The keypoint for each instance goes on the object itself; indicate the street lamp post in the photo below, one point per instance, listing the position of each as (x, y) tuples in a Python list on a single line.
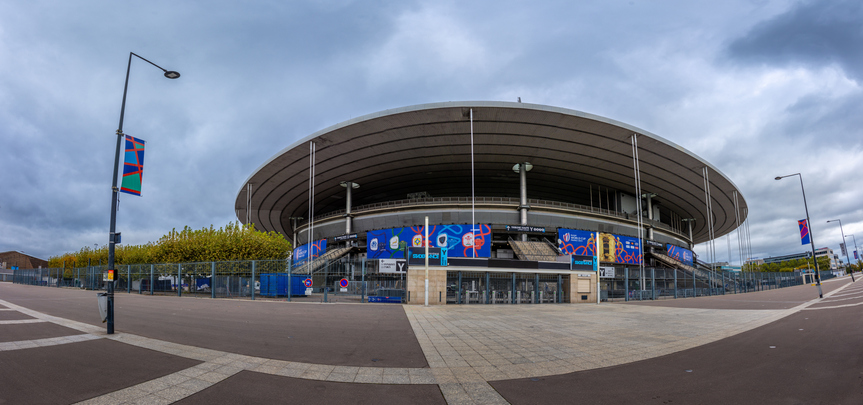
[(845, 244), (112, 233), (811, 235)]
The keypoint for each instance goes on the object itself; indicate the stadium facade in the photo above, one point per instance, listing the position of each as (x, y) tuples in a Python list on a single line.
[(516, 195)]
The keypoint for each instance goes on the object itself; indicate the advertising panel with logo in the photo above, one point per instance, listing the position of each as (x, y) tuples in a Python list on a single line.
[(301, 253), (417, 256), (680, 254), (619, 249), (457, 239), (575, 242), (581, 262)]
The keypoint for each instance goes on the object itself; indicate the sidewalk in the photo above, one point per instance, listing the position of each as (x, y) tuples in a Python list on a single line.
[(221, 351)]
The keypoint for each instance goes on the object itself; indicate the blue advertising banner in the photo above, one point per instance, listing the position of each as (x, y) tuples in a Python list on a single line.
[(804, 231), (457, 239), (301, 253), (680, 254), (575, 242), (628, 250)]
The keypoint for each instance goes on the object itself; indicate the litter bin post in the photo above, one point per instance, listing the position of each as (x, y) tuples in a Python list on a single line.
[(102, 300)]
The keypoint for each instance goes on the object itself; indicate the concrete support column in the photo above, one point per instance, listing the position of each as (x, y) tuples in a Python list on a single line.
[(348, 185), (294, 240), (689, 224), (522, 170), (649, 197)]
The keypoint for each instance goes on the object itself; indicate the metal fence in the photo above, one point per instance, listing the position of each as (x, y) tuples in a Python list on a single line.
[(233, 279), (659, 283), (355, 279)]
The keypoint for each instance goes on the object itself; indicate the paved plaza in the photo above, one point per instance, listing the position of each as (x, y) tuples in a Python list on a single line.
[(785, 346)]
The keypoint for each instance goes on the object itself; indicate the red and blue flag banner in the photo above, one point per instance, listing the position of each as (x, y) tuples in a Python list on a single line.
[(804, 231), (133, 166)]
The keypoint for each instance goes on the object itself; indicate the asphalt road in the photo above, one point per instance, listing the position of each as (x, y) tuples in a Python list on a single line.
[(370, 335), (812, 356)]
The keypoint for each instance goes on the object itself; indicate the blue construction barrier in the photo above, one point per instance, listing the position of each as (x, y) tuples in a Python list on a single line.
[(393, 300), (276, 284)]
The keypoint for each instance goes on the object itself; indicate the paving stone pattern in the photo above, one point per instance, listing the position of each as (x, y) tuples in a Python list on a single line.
[(465, 346)]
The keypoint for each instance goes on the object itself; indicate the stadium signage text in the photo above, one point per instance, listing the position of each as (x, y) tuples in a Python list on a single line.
[(524, 228)]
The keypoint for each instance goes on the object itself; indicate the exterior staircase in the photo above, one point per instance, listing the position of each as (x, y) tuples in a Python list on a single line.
[(321, 261), (534, 251), (698, 272)]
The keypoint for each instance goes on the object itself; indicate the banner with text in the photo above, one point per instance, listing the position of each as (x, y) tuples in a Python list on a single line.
[(575, 242), (301, 253), (457, 239), (680, 254)]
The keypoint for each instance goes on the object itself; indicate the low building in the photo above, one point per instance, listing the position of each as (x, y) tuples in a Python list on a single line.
[(819, 253), (21, 260)]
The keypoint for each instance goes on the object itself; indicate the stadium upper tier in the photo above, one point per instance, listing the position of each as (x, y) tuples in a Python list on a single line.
[(421, 155)]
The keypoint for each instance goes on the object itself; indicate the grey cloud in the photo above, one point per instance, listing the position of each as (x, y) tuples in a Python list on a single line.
[(258, 76), (810, 34)]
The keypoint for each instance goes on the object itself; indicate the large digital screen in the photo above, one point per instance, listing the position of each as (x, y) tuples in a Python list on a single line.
[(458, 239), (619, 249), (301, 253), (680, 254), (575, 242)]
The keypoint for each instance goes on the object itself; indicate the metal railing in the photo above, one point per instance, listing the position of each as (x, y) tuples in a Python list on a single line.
[(660, 283), (504, 201)]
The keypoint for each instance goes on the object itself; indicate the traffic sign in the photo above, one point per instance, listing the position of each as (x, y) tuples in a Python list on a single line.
[(307, 282), (343, 283)]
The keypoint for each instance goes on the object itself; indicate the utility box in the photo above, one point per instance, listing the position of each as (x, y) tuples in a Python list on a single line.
[(276, 284)]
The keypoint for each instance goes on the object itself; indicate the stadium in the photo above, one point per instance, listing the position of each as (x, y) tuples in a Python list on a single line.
[(525, 203)]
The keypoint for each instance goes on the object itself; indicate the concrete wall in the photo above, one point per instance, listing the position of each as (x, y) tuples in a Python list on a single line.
[(584, 295), (416, 285)]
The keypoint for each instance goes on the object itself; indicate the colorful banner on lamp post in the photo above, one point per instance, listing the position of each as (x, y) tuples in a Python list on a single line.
[(804, 231), (133, 166)]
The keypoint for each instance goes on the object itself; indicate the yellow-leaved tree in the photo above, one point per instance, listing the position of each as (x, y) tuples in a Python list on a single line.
[(232, 242)]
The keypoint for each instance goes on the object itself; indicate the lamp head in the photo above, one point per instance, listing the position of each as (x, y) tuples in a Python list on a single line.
[(172, 74), (778, 178)]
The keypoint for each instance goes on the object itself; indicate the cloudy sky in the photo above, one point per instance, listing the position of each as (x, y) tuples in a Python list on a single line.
[(759, 88)]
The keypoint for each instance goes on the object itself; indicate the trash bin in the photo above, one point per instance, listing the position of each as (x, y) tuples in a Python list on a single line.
[(103, 306)]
